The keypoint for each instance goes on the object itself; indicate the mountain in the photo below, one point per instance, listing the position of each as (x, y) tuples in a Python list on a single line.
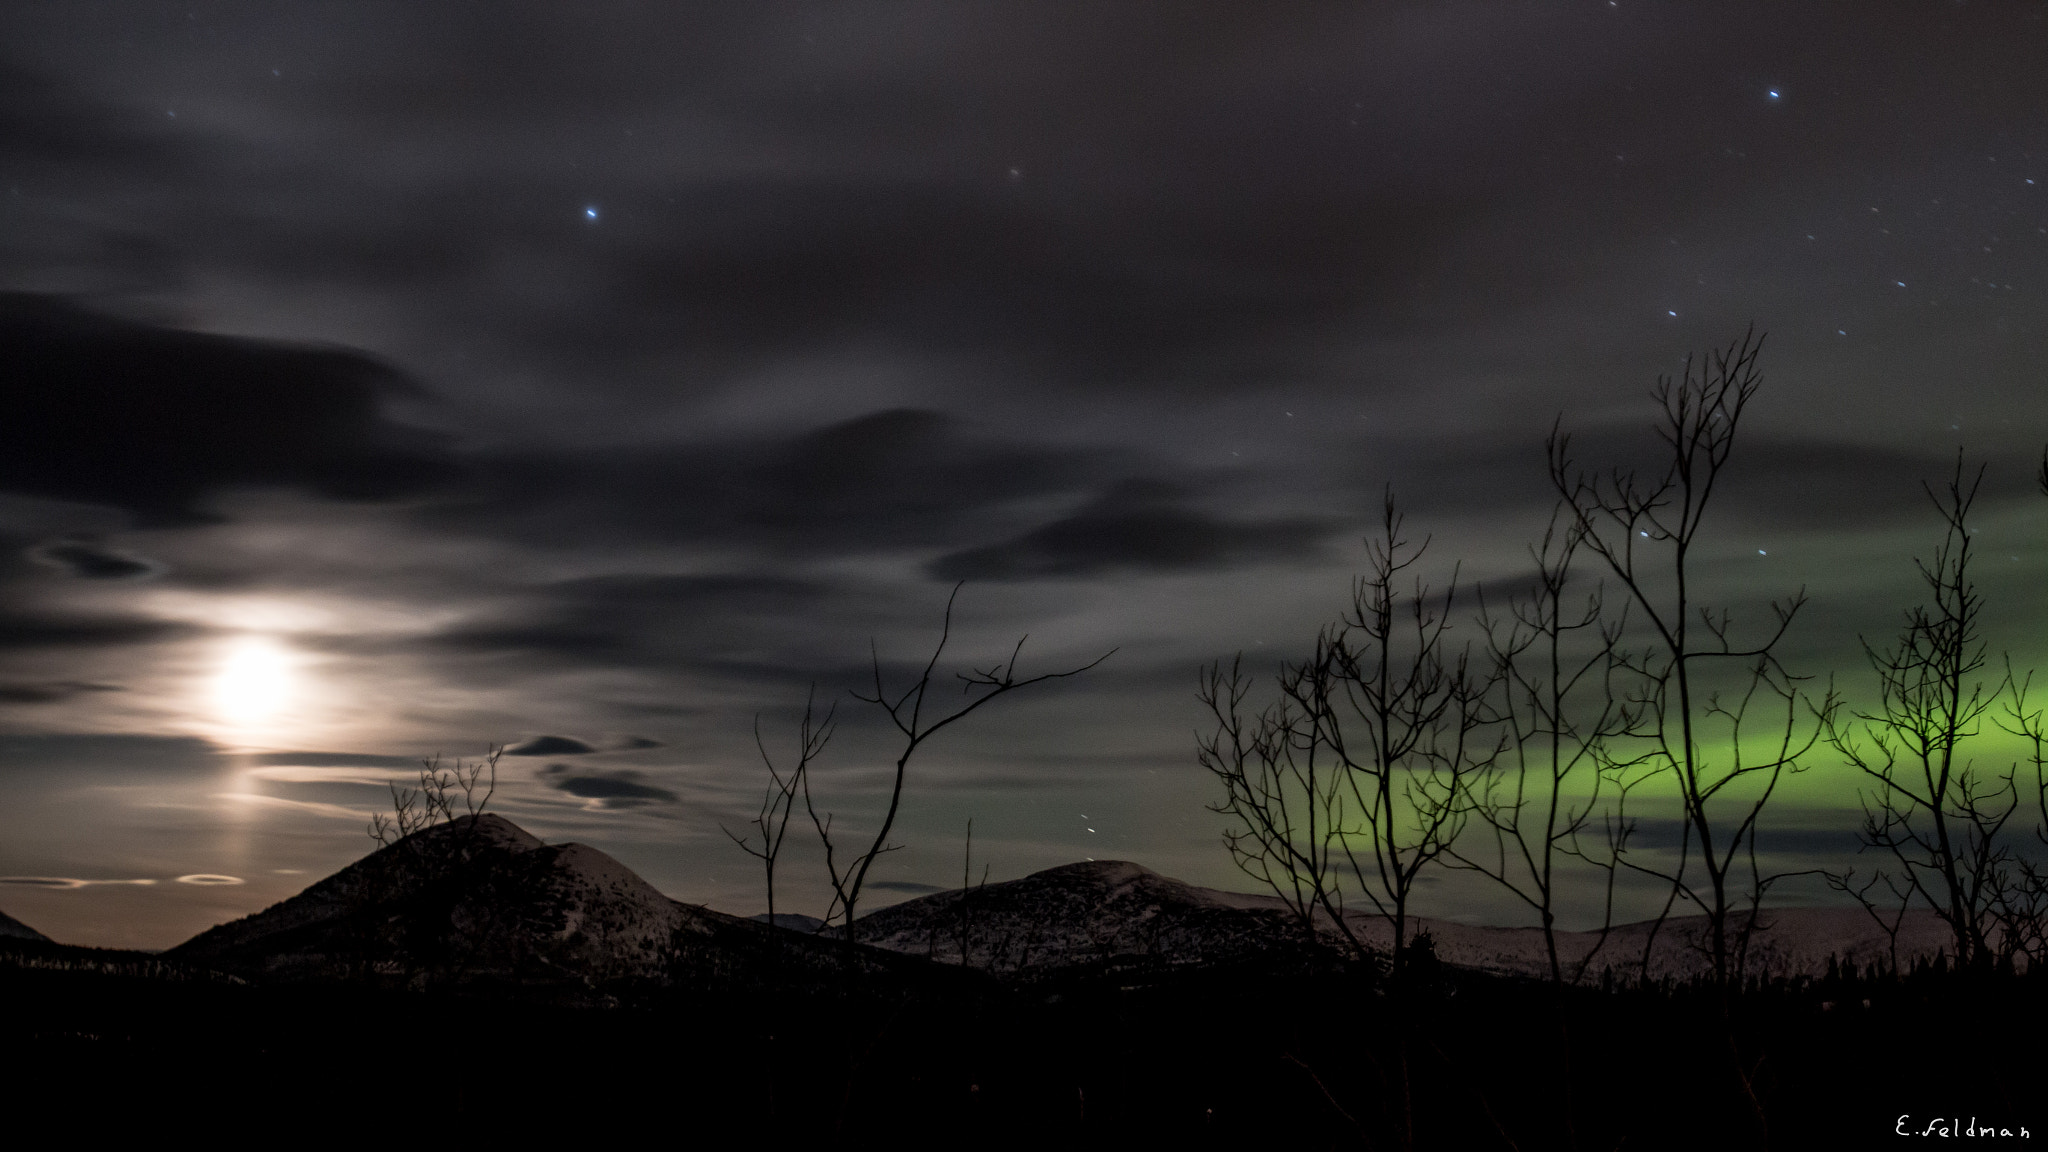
[(794, 921), (1081, 914), (479, 902), (13, 929)]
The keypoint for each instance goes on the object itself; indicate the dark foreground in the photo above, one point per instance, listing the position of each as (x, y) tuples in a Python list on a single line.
[(1272, 1056)]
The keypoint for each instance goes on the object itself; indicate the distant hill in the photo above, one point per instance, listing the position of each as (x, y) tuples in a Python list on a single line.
[(794, 921), (13, 929), (1080, 914), (479, 902)]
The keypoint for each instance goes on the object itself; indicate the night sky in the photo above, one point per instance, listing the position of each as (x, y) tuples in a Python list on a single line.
[(391, 379)]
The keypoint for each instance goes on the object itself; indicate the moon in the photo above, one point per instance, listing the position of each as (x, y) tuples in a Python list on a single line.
[(254, 682)]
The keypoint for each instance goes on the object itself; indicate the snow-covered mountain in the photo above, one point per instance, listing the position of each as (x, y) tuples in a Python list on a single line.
[(1079, 914), (479, 901)]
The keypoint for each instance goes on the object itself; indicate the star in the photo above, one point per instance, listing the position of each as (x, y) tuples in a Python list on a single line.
[(590, 212)]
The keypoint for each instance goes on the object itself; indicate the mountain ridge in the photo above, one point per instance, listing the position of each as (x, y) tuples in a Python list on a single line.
[(480, 901), (1083, 913), (13, 929)]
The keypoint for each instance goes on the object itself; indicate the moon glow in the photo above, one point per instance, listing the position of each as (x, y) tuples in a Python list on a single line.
[(254, 682)]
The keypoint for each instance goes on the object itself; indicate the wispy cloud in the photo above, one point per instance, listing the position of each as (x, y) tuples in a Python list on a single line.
[(315, 807), (61, 883)]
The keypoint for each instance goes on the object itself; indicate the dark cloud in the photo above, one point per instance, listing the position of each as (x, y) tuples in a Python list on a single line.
[(48, 630), (1136, 526), (50, 692), (654, 622), (1811, 484), (90, 561), (1772, 479), (888, 479), (549, 746), (1070, 288), (620, 788), (68, 751), (46, 122), (156, 420), (331, 760)]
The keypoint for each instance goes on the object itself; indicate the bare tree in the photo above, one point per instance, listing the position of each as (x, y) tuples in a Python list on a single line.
[(969, 889), (907, 713), (433, 801), (1929, 807), (1556, 662), (1724, 720), (2021, 914), (2022, 911), (778, 802), (1724, 716), (442, 794), (1351, 781)]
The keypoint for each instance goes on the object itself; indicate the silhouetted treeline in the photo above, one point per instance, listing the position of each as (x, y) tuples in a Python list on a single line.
[(1133, 1054)]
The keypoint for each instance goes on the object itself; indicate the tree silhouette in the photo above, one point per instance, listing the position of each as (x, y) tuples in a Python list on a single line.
[(1352, 780), (1724, 716), (1562, 713), (433, 800), (1929, 807), (778, 801), (909, 716)]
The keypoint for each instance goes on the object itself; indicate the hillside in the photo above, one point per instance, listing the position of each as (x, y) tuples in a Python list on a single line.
[(13, 929), (1078, 914), (479, 902)]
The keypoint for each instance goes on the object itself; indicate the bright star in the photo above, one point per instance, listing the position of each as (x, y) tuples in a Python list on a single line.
[(590, 212), (1774, 93)]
